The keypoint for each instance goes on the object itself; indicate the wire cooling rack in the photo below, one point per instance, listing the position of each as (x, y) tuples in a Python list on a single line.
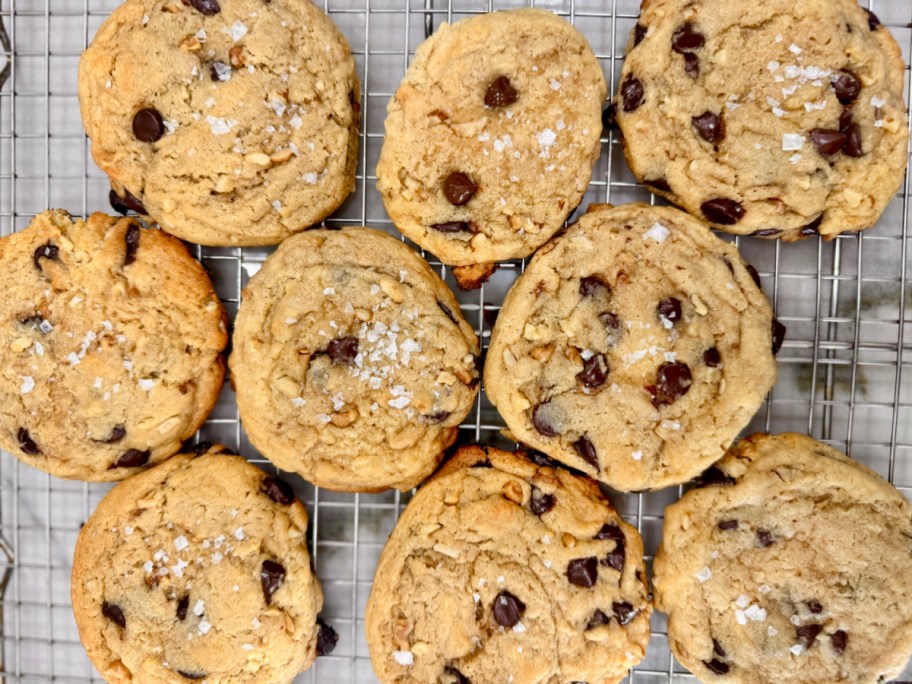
[(845, 373)]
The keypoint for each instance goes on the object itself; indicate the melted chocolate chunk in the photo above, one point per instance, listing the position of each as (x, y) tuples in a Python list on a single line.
[(639, 32), (847, 87), (609, 116), (182, 607), (47, 251), (722, 211), (593, 284), (26, 443), (873, 22), (812, 228), (728, 525), (673, 381), (436, 418), (131, 201), (114, 614), (343, 350), (186, 674), (538, 458), (611, 531), (197, 449), (459, 188), (451, 227), (712, 358), (541, 423), (617, 556), (853, 146), (458, 677), (117, 204), (118, 432), (714, 476), (277, 490), (446, 311), (670, 309), (131, 239), (766, 232), (815, 606), (828, 141), (583, 572), (623, 611), (686, 39), (764, 538), (658, 184), (327, 638), (632, 93), (148, 125), (718, 650), (595, 371), (507, 609), (207, 7), (710, 127), (691, 65), (134, 458), (598, 618), (500, 93), (272, 574), (541, 503), (845, 118), (807, 634), (586, 451), (716, 666), (754, 275), (610, 320), (838, 640), (778, 336)]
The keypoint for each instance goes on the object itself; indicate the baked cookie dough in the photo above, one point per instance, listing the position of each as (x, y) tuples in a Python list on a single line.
[(634, 347), (110, 346), (492, 136), (792, 564), (198, 570), (228, 122), (352, 363), (775, 118), (502, 570)]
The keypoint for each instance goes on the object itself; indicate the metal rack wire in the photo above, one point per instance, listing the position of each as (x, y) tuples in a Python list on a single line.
[(844, 369)]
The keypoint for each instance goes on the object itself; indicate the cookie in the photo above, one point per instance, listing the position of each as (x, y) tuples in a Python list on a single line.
[(778, 119), (198, 569), (228, 122), (492, 136), (634, 347), (503, 570), (110, 346), (792, 564), (352, 363)]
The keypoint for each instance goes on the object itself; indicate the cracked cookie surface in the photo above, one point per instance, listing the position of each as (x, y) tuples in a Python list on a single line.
[(634, 347), (228, 123), (775, 119), (793, 563), (352, 363), (504, 570), (492, 136), (110, 346), (198, 569)]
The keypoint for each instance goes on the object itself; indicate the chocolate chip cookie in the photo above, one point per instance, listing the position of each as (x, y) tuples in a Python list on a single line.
[(110, 346), (775, 119), (634, 347), (198, 570), (492, 135), (228, 122), (504, 570), (793, 563), (352, 363)]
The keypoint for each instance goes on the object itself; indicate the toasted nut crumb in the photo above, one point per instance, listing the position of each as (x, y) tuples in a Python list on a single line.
[(345, 418), (532, 332), (513, 492), (287, 386), (446, 378), (236, 57), (542, 354), (173, 7), (258, 158), (464, 376), (392, 288), (699, 305), (281, 156), (169, 425), (568, 540), (21, 344), (520, 403), (451, 498), (448, 551), (509, 357), (224, 184), (191, 44)]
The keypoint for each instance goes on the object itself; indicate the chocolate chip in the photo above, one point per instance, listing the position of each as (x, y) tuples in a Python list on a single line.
[(197, 449), (343, 350), (718, 650), (133, 203), (132, 244), (26, 443), (691, 65), (500, 93), (593, 284), (134, 458), (815, 606), (853, 146), (113, 613), (451, 227), (541, 422), (586, 451), (610, 531), (670, 309), (639, 32), (714, 476), (277, 490), (764, 538), (436, 418), (847, 87), (610, 320), (598, 618), (827, 140), (583, 572), (458, 677), (609, 120), (459, 188), (632, 93), (507, 609), (538, 458), (47, 251), (595, 371), (673, 381), (778, 336), (658, 184), (207, 7), (327, 638), (685, 39), (728, 525), (838, 640), (753, 274), (712, 358), (716, 666), (873, 21), (618, 555), (722, 211), (148, 125), (446, 311), (812, 228), (710, 127), (272, 575), (182, 607), (845, 118), (541, 503), (623, 611), (117, 204), (186, 674), (118, 432), (766, 232), (808, 634)]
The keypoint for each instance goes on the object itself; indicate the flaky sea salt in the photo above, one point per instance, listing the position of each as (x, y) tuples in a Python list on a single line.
[(28, 384), (657, 232), (792, 142), (237, 30), (405, 658), (181, 543), (704, 575)]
